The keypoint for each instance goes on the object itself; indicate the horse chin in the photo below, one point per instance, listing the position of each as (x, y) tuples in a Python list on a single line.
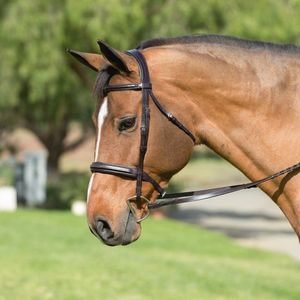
[(127, 241), (132, 230)]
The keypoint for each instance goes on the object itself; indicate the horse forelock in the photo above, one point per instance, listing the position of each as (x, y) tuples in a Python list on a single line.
[(102, 80)]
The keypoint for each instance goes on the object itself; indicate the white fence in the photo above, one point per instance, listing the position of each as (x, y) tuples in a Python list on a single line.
[(8, 198)]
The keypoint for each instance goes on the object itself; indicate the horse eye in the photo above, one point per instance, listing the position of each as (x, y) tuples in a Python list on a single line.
[(126, 123)]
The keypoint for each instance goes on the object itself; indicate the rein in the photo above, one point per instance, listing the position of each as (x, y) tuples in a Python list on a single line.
[(138, 201)]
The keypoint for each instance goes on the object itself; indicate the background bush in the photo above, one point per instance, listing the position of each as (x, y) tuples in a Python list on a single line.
[(71, 187)]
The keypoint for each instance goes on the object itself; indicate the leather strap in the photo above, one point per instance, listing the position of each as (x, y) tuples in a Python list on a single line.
[(177, 198), (125, 87), (123, 171), (171, 117), (145, 119)]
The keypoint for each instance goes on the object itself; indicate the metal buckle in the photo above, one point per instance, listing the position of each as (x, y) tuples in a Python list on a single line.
[(135, 205)]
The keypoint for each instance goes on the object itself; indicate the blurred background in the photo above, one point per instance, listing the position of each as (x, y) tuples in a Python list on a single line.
[(46, 147)]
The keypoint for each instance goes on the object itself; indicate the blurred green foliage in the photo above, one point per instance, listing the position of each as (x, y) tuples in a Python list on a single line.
[(45, 90), (39, 78), (62, 193), (6, 173)]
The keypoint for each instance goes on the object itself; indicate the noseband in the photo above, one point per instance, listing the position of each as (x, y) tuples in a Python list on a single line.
[(136, 202)]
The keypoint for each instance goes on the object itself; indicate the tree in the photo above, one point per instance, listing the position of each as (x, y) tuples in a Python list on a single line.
[(39, 82), (42, 88), (45, 90)]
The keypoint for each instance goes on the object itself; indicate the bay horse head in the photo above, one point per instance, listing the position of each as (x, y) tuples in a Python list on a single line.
[(134, 157)]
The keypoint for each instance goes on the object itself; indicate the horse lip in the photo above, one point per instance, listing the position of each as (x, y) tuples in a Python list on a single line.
[(130, 229), (124, 240), (112, 242), (127, 237)]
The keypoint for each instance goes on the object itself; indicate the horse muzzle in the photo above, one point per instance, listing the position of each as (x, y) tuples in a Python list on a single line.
[(126, 232)]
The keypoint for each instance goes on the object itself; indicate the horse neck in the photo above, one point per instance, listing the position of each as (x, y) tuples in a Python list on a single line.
[(240, 103)]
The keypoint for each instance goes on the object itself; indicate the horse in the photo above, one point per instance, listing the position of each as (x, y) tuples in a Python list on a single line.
[(240, 98)]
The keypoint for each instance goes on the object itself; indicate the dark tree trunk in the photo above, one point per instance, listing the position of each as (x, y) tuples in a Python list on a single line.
[(52, 132), (54, 154), (55, 142), (53, 139)]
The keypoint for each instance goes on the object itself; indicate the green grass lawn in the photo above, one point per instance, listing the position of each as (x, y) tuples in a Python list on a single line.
[(52, 255)]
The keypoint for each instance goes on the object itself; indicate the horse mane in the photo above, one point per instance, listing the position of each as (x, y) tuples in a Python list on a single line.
[(220, 40), (108, 71)]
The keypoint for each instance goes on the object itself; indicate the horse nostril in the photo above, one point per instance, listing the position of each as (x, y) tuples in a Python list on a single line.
[(103, 229)]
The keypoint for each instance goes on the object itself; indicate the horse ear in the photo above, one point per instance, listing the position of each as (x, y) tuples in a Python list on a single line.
[(92, 60), (118, 59)]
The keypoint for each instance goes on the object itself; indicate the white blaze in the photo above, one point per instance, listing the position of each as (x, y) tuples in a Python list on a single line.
[(100, 120), (90, 187), (101, 117)]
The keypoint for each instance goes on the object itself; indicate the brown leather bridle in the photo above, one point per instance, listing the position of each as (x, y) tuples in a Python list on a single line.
[(138, 200)]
